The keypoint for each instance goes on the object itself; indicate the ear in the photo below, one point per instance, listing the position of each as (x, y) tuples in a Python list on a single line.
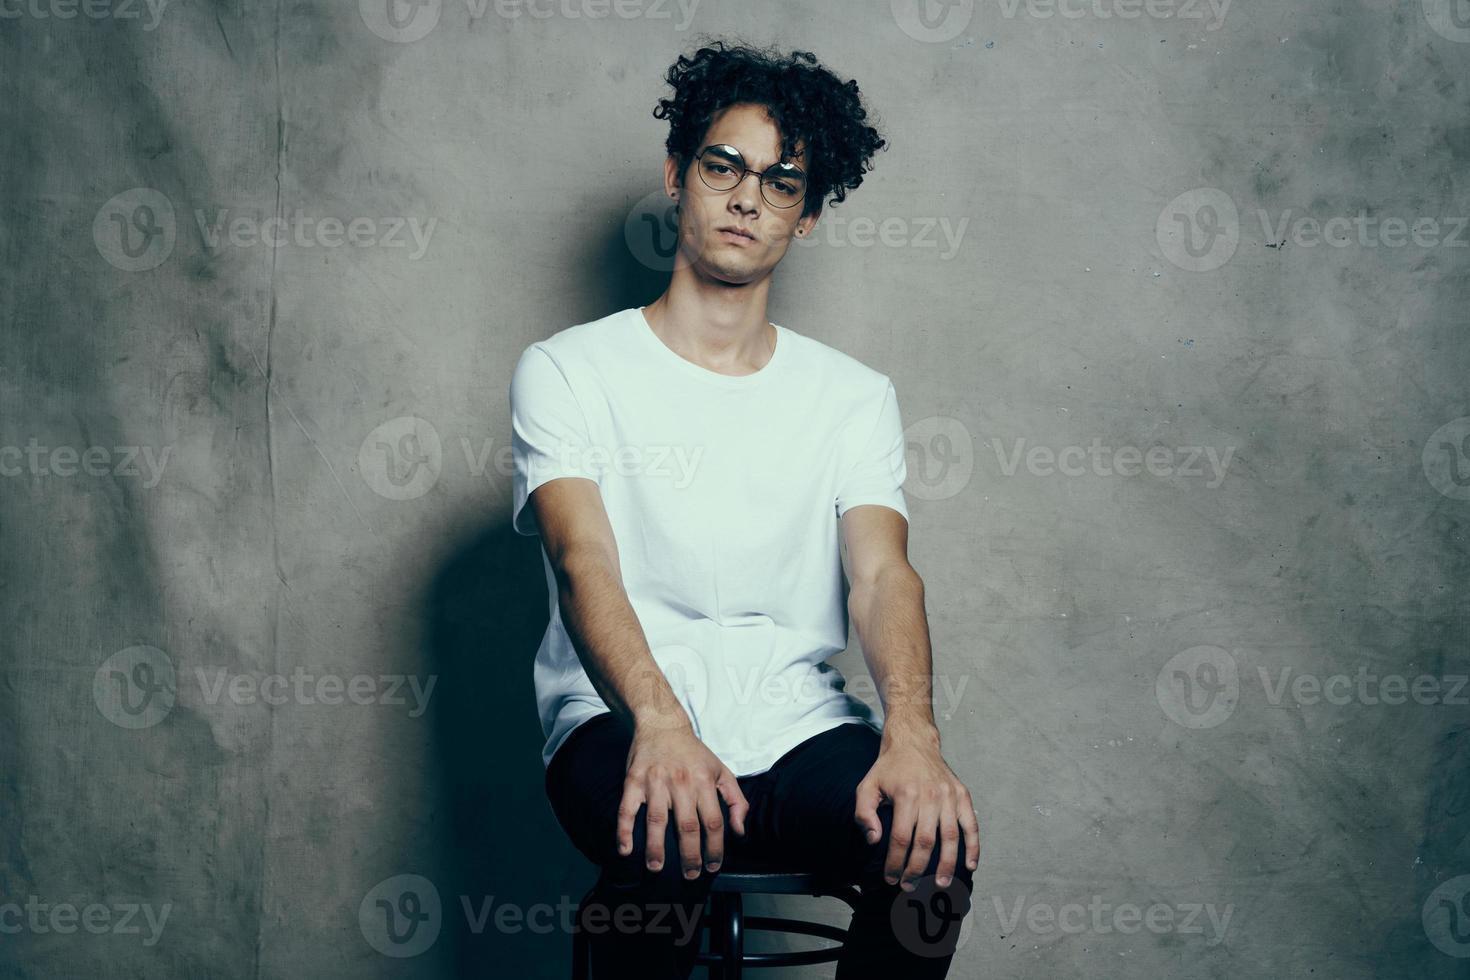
[(806, 223), (673, 180)]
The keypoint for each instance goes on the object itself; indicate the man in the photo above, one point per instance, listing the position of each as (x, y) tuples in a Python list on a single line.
[(686, 465)]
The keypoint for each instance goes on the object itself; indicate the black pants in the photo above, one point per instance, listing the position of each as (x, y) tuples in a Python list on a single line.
[(647, 923)]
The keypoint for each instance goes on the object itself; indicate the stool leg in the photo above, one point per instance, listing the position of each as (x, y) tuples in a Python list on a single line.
[(714, 924), (734, 943)]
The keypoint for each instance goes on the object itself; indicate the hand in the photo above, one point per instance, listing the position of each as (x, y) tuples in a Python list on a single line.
[(672, 766), (926, 795)]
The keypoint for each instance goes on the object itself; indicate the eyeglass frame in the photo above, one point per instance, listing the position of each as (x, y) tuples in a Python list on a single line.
[(760, 175)]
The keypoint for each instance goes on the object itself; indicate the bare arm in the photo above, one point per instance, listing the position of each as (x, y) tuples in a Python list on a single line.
[(668, 766), (886, 604)]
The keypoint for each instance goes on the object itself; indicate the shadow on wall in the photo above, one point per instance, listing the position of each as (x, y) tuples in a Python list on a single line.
[(487, 608)]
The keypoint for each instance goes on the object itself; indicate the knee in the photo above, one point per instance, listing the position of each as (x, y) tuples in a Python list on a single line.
[(877, 858), (631, 870)]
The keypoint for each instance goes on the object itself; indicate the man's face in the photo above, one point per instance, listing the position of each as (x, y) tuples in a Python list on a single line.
[(704, 212)]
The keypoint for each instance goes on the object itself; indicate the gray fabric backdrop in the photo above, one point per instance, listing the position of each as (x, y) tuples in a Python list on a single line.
[(1173, 295)]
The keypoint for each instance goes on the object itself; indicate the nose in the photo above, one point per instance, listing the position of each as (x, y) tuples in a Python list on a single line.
[(747, 195)]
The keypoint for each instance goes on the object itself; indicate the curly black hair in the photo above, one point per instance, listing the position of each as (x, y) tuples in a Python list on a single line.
[(809, 105)]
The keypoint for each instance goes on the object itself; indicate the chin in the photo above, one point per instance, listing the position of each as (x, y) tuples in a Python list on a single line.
[(735, 275)]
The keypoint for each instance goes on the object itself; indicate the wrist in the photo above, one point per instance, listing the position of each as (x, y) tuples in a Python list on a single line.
[(652, 720), (910, 730)]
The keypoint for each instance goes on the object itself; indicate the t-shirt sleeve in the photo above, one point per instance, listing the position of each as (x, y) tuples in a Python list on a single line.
[(876, 476), (549, 433)]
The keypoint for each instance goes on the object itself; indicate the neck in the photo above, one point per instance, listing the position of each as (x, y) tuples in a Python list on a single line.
[(716, 325)]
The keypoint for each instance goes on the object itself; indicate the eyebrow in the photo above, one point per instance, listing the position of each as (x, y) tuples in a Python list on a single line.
[(715, 149)]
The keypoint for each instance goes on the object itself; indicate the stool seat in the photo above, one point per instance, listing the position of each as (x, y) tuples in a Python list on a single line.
[(754, 876), (727, 924)]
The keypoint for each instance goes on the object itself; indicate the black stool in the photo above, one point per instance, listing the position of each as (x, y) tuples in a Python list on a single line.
[(726, 921)]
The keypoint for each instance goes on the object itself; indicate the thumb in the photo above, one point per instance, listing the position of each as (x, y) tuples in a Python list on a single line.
[(729, 788), (866, 812)]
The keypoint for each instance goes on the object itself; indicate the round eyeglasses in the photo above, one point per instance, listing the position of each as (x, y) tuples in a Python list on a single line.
[(722, 168)]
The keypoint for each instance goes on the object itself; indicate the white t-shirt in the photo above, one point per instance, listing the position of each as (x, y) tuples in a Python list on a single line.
[(723, 493)]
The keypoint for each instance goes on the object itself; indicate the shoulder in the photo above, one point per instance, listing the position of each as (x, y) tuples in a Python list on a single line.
[(839, 368), (581, 342)]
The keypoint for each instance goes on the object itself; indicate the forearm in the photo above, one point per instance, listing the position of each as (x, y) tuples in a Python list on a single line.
[(610, 643), (888, 613)]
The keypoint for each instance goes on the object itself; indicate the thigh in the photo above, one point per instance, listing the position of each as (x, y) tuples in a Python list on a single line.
[(584, 784), (814, 805), (813, 796)]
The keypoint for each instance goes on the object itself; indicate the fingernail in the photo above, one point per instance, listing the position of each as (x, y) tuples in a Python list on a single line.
[(908, 886), (942, 881), (872, 836), (692, 873), (891, 879), (712, 866), (655, 865)]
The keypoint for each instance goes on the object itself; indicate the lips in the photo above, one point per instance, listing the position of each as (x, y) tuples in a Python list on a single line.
[(738, 231)]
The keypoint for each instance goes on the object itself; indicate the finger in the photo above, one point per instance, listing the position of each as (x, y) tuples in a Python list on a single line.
[(714, 826), (627, 813), (866, 811), (949, 844), (970, 821), (926, 835), (656, 821), (687, 825), (729, 788), (905, 810)]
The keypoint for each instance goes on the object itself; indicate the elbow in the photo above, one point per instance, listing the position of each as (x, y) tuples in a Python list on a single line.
[(891, 578), (580, 561)]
